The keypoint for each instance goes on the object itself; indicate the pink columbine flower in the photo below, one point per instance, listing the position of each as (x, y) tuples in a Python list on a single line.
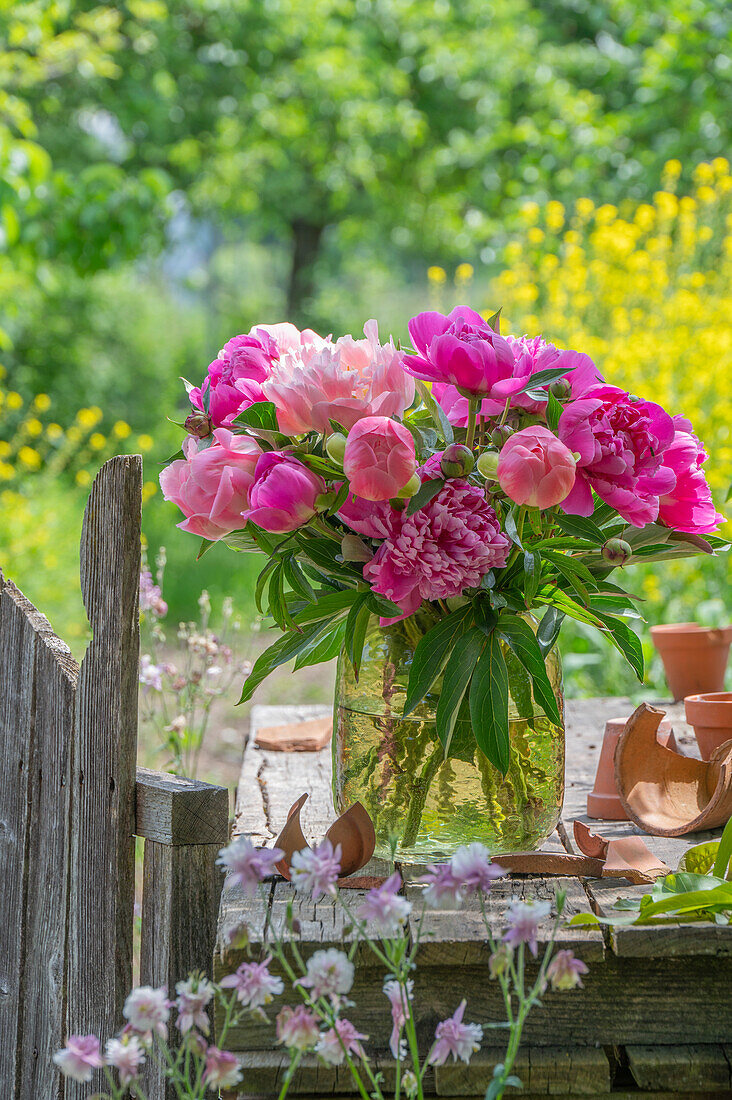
[(148, 1009), (315, 870), (380, 458), (222, 1069), (471, 865), (441, 550), (454, 1037), (284, 493), (248, 866), (384, 908), (151, 597), (211, 486), (126, 1055), (688, 506), (499, 961), (150, 674), (342, 1039), (444, 890), (80, 1057), (564, 971), (400, 997), (524, 919), (254, 984), (234, 379), (461, 350), (194, 995), (535, 468), (621, 444), (329, 973), (297, 1028), (317, 381)]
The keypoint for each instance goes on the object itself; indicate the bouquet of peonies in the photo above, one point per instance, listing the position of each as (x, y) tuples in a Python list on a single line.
[(476, 477)]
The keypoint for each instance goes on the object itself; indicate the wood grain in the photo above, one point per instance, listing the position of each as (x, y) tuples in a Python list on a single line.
[(680, 1067), (171, 809)]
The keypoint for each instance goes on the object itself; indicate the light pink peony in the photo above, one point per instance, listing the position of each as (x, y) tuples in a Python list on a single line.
[(284, 493), (211, 486), (688, 506), (534, 468), (344, 381), (441, 550), (79, 1058), (289, 338), (380, 458), (234, 378), (462, 350), (621, 445)]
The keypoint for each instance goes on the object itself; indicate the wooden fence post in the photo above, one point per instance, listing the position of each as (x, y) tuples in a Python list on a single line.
[(184, 823)]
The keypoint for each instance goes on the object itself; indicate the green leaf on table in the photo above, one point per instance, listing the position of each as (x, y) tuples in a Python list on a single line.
[(427, 491), (521, 639), (436, 412), (463, 659), (489, 705), (431, 654)]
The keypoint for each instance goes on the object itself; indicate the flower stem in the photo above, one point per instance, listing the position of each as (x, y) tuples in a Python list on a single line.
[(420, 791), (473, 403), (294, 1062)]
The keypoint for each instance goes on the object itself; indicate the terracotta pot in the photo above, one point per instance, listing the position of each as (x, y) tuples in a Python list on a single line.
[(694, 657), (603, 801), (711, 717)]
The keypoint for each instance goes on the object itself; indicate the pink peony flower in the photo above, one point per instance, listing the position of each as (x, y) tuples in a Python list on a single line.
[(454, 1037), (222, 1069), (147, 1010), (340, 1040), (329, 973), (688, 506), (315, 870), (284, 493), (194, 995), (524, 919), (385, 909), (234, 378), (211, 486), (564, 971), (380, 458), (461, 350), (444, 890), (248, 866), (621, 445), (344, 381), (79, 1058), (400, 997), (471, 865), (126, 1055), (297, 1028), (441, 550), (254, 984), (374, 518), (289, 338), (534, 468)]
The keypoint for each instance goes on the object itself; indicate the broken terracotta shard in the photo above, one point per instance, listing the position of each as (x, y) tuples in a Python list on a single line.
[(353, 830), (663, 792)]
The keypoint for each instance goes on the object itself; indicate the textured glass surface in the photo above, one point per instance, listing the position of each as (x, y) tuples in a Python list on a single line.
[(420, 803)]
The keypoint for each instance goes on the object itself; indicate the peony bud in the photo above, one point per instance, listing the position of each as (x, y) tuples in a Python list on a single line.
[(198, 424), (617, 552), (488, 464), (457, 460), (335, 447), (500, 435), (560, 389), (410, 488)]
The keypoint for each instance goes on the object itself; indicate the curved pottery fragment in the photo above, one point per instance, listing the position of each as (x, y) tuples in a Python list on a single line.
[(353, 830), (663, 792), (624, 857)]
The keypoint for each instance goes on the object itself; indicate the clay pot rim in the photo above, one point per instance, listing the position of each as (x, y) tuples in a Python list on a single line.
[(711, 708), (670, 633)]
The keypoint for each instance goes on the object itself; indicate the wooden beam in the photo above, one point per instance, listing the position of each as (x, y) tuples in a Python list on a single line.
[(170, 809)]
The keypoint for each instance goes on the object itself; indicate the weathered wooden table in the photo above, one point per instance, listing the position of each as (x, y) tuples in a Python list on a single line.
[(654, 1017)]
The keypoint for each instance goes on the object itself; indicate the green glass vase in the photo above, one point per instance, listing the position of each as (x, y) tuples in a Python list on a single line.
[(423, 806)]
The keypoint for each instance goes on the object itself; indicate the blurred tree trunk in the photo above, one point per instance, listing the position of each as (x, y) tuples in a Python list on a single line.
[(306, 242)]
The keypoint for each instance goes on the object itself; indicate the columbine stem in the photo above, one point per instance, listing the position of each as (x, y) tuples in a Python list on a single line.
[(473, 403)]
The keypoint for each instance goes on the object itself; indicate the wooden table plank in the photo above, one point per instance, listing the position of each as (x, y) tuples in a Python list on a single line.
[(579, 1071), (680, 1068)]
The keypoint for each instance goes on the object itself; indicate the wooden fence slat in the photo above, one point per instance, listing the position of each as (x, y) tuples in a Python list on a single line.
[(101, 886)]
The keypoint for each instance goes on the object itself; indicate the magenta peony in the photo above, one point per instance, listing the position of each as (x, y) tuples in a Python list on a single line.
[(284, 493), (380, 458), (345, 381), (441, 550), (534, 468), (462, 350), (234, 378), (374, 518), (211, 486), (688, 506), (621, 443)]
